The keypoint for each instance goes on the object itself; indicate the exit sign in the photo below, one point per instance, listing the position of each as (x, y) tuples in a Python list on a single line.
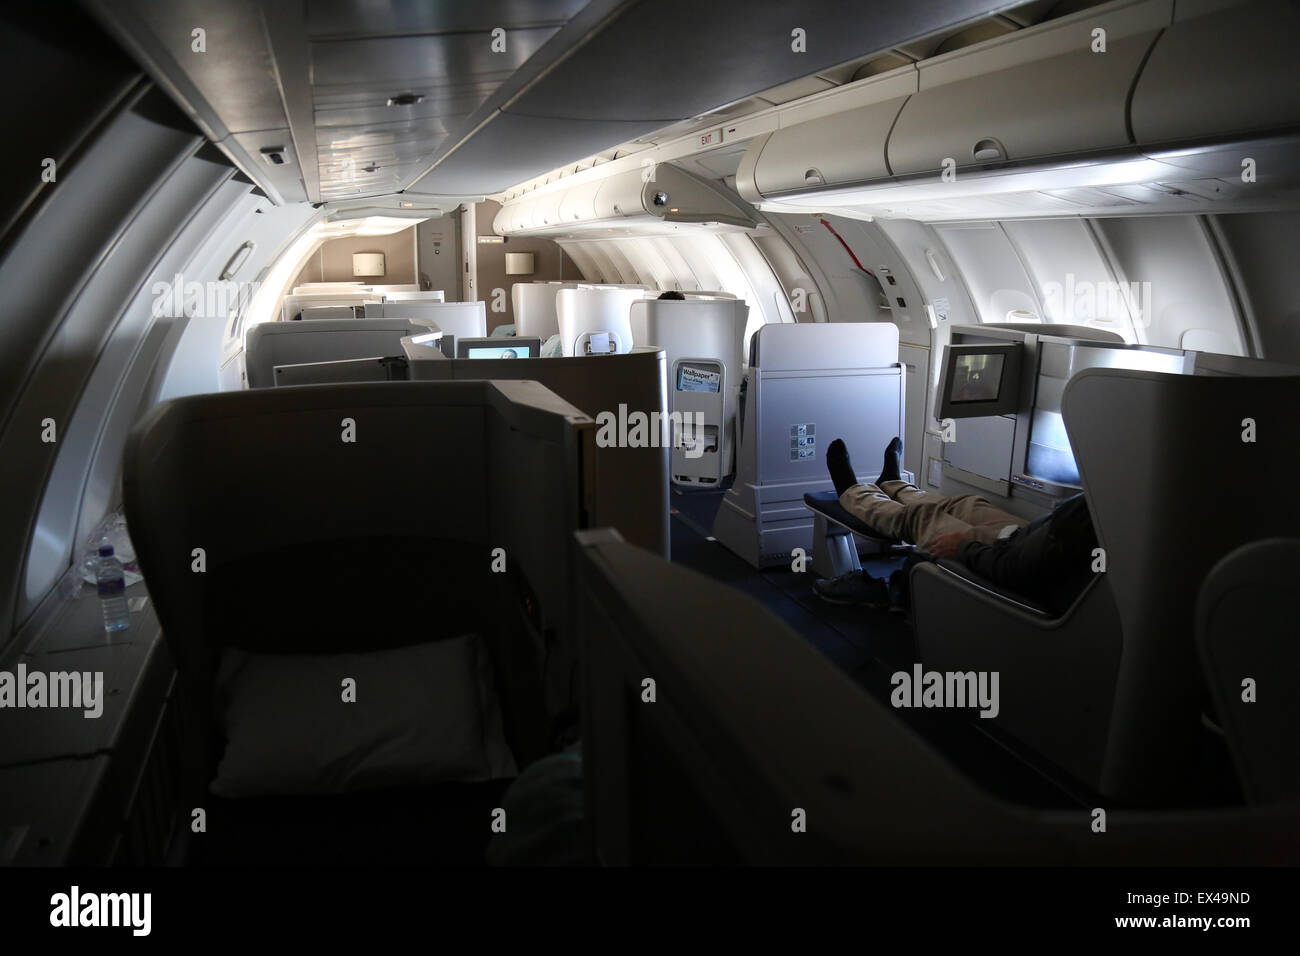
[(712, 138)]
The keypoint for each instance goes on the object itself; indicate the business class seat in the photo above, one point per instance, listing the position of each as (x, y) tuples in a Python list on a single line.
[(1057, 672), (1178, 471), (808, 383), (702, 341), (1246, 636), (596, 320), (312, 546), (321, 340), (534, 307), (629, 487), (753, 722), (461, 319)]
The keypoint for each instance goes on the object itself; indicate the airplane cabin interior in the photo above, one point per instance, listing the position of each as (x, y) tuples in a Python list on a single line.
[(622, 433)]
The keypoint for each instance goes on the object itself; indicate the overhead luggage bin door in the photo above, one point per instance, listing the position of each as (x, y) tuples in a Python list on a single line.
[(1028, 96), (1227, 72), (579, 203), (832, 150)]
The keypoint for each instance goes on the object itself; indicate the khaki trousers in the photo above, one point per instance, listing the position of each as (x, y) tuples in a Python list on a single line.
[(898, 509)]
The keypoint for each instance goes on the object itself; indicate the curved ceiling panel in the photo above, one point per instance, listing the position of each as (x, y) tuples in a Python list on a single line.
[(334, 99)]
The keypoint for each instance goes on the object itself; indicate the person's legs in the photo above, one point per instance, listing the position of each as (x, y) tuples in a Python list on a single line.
[(920, 519), (984, 519), (980, 511)]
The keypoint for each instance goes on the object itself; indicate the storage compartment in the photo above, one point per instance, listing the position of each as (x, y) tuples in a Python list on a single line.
[(579, 203), (620, 196), (1028, 96), (837, 149), (546, 209), (666, 194), (1230, 71)]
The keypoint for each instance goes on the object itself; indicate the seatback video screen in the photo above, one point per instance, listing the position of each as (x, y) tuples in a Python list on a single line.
[(494, 347), (504, 352), (977, 378)]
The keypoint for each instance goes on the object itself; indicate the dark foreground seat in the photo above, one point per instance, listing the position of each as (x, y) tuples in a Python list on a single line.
[(444, 825), (293, 525), (1246, 633), (758, 748)]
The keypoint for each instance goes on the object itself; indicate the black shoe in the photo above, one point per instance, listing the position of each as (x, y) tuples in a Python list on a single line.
[(857, 588)]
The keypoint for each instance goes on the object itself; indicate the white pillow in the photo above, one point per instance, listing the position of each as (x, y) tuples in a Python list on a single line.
[(422, 714)]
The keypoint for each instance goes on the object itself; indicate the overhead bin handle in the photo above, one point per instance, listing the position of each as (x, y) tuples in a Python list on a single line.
[(237, 260), (813, 177), (988, 150)]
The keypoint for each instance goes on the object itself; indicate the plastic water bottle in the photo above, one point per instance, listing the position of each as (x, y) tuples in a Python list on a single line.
[(112, 590)]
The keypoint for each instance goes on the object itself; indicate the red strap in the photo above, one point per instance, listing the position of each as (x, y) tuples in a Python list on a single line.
[(847, 249)]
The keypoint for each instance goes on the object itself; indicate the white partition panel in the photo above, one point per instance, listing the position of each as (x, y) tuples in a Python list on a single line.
[(307, 288), (464, 319), (295, 304), (434, 295), (534, 307), (810, 384), (321, 340), (596, 320), (701, 339)]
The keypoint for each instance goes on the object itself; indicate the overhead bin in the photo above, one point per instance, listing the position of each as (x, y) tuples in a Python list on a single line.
[(1228, 71), (1030, 95), (1039, 125), (579, 203), (662, 196), (834, 150)]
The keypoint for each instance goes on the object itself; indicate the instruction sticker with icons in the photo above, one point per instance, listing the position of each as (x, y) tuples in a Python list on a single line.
[(803, 442)]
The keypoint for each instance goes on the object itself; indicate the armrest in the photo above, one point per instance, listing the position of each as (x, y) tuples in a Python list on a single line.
[(995, 591), (1057, 673)]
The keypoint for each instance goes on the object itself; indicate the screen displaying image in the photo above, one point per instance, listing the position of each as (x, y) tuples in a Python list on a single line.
[(977, 378), (515, 352)]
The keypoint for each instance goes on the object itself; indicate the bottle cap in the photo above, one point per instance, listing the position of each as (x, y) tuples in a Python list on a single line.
[(105, 550)]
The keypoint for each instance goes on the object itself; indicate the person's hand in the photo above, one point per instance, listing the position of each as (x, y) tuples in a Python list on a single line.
[(946, 545)]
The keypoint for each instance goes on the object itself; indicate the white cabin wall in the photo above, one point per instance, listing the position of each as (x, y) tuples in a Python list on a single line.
[(116, 215), (1073, 282), (1173, 263), (846, 294), (945, 301), (192, 356), (999, 284), (1260, 252)]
